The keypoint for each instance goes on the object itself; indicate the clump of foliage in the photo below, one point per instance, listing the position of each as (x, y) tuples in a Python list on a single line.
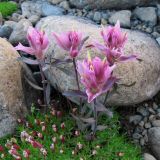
[(7, 8), (55, 136)]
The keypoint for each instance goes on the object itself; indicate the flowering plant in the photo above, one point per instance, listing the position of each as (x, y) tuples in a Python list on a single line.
[(95, 74)]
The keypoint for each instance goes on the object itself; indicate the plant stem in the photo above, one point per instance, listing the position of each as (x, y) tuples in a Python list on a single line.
[(95, 117), (106, 96), (44, 86), (77, 80)]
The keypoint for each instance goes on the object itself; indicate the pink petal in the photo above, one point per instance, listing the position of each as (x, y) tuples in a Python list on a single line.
[(62, 41), (28, 50), (127, 58)]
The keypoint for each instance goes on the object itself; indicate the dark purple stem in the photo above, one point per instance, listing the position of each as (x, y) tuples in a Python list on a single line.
[(77, 80), (44, 86), (95, 117)]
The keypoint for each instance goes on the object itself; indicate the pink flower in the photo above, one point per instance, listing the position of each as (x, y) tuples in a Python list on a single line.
[(70, 41), (114, 41), (113, 37), (15, 154), (1, 148), (36, 144), (96, 76), (26, 153), (38, 43)]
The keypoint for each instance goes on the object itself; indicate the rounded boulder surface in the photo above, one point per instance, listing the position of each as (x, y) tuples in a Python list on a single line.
[(145, 74), (12, 104)]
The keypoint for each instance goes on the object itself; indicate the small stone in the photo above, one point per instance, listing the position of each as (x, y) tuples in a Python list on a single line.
[(158, 111), (48, 10), (34, 19), (146, 104), (141, 124), (147, 125), (143, 111), (146, 138), (157, 28), (135, 119), (123, 16), (158, 40), (11, 24), (97, 16), (65, 5), (148, 30), (144, 132), (146, 14), (105, 16), (79, 13), (155, 34), (151, 111), (5, 31), (148, 156), (55, 1), (155, 106), (15, 17), (142, 141), (156, 123), (139, 130), (103, 21), (152, 117), (145, 119), (136, 136), (90, 15)]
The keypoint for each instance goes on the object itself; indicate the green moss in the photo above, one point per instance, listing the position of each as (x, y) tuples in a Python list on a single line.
[(7, 8), (113, 146)]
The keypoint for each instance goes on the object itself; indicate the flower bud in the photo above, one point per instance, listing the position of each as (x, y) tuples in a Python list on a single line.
[(62, 125), (62, 138)]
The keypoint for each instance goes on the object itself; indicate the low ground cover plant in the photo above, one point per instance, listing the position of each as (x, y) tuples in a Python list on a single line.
[(7, 8)]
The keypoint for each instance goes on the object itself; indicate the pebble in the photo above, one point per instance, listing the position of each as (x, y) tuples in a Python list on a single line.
[(135, 119), (34, 19), (5, 31), (143, 111), (148, 156), (124, 16), (65, 5), (147, 125), (156, 123), (155, 106), (142, 141), (136, 136), (103, 21), (152, 117), (158, 40), (97, 16)]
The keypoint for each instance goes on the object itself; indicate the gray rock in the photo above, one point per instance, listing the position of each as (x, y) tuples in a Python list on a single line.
[(97, 16), (123, 16), (146, 74), (34, 19), (155, 106), (154, 141), (155, 34), (156, 123), (15, 17), (103, 21), (135, 119), (147, 125), (48, 10), (11, 24), (158, 40), (146, 14), (30, 8), (144, 132), (152, 117), (55, 1), (148, 156), (151, 110), (142, 142), (12, 103), (158, 12), (7, 123), (109, 4), (143, 111), (5, 31), (65, 5), (20, 31), (90, 15), (136, 136), (141, 124)]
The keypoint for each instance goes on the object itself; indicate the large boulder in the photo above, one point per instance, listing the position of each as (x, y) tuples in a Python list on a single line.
[(13, 104), (146, 74), (107, 4)]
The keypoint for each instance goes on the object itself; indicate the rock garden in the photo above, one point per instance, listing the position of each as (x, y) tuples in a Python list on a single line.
[(80, 80)]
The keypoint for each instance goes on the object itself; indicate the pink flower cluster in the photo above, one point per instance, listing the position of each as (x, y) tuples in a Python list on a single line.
[(96, 74)]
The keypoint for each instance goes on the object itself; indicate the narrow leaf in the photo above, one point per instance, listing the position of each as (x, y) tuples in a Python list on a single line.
[(82, 43), (75, 93), (28, 61), (32, 84), (101, 127), (60, 61), (88, 120)]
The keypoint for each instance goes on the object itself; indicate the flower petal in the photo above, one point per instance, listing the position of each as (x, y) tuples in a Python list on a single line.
[(28, 50)]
